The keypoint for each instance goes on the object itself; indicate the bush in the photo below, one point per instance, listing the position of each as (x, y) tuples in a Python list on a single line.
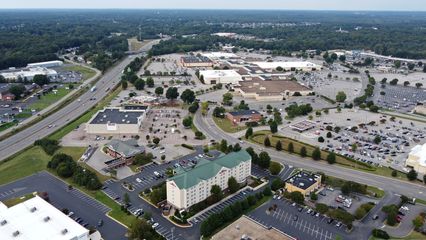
[(321, 208), (316, 154), (48, 145), (378, 233)]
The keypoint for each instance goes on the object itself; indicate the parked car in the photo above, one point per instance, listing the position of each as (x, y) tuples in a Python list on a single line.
[(100, 223)]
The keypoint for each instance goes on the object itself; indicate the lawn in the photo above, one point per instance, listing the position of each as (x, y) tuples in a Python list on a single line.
[(337, 183), (23, 115), (259, 137), (86, 72), (227, 126), (30, 161), (413, 236), (48, 99), (5, 126)]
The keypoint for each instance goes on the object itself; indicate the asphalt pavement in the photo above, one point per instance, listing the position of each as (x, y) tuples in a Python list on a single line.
[(209, 128), (67, 114)]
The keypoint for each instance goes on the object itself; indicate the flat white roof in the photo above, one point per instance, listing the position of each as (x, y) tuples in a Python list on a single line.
[(420, 152), (217, 55), (219, 73), (273, 65), (36, 219), (28, 73), (44, 63)]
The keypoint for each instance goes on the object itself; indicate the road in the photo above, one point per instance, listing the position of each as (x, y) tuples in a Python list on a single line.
[(62, 117), (209, 128)]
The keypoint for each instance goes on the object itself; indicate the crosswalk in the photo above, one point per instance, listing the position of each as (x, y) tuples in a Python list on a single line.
[(92, 202)]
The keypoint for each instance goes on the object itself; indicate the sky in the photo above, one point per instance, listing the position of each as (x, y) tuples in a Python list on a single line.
[(369, 5)]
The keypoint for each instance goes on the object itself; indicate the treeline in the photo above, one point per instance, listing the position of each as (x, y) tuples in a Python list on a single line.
[(66, 167)]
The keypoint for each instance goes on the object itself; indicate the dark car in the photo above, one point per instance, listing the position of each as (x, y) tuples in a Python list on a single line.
[(295, 218), (375, 217), (329, 221), (100, 223)]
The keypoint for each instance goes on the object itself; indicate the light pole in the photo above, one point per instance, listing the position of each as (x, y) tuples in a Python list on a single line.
[(172, 229)]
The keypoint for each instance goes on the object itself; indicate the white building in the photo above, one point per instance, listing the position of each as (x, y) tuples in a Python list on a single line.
[(126, 120), (417, 159), (289, 66), (220, 76), (48, 64), (36, 219), (220, 55), (27, 73), (192, 186)]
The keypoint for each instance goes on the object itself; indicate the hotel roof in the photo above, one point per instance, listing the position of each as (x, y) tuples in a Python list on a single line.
[(205, 169)]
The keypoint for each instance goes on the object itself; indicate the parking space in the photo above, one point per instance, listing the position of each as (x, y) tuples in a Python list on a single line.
[(398, 98), (336, 199), (297, 221)]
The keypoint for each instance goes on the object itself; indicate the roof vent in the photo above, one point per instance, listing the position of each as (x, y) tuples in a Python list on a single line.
[(2, 223), (16, 233), (33, 209), (65, 231), (46, 219), (301, 184)]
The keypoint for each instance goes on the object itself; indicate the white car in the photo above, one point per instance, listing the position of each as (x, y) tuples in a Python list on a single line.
[(138, 180), (155, 225)]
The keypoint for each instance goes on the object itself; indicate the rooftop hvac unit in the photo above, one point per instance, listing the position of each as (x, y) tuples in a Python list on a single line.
[(33, 209), (105, 116), (65, 231), (301, 184), (15, 233), (46, 219), (2, 223), (310, 179)]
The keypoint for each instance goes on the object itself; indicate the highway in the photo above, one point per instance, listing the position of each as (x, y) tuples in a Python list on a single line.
[(209, 128), (70, 112)]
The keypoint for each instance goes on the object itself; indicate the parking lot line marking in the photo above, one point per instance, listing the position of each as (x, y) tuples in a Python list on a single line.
[(288, 221), (301, 222)]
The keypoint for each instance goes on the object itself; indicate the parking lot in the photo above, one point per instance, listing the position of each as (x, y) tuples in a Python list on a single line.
[(399, 98), (397, 137), (336, 199), (297, 222), (86, 210)]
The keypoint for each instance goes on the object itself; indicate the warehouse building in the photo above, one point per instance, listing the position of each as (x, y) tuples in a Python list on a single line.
[(220, 76), (37, 219), (275, 90), (48, 64), (195, 61), (417, 159), (303, 182), (27, 73), (243, 116), (192, 186), (117, 121), (288, 66)]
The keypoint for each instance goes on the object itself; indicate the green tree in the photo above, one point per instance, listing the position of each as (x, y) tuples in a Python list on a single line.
[(418, 222), (187, 122), (297, 197), (17, 89), (329, 135), (273, 126), (150, 82), (321, 208), (41, 80), (267, 191), (303, 152), (278, 146), (313, 196), (249, 132), (275, 168), (159, 91), (267, 142), (139, 84), (321, 139), (216, 193), (379, 233), (264, 160), (233, 185), (394, 173), (290, 147), (341, 96), (377, 139), (316, 154), (276, 184), (331, 158), (188, 96), (412, 175), (172, 93), (126, 199), (227, 99)]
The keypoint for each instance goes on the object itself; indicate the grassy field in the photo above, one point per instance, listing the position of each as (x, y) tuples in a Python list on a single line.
[(23, 115), (227, 126), (259, 137), (413, 236), (135, 45), (87, 72), (5, 126), (30, 161), (337, 183), (48, 99)]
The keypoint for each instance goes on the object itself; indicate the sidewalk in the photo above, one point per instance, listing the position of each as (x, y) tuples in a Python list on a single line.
[(54, 105)]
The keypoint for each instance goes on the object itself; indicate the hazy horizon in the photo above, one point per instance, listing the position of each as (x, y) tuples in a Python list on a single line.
[(309, 5)]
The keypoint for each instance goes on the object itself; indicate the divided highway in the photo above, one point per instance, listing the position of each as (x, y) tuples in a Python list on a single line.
[(70, 112), (209, 128)]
